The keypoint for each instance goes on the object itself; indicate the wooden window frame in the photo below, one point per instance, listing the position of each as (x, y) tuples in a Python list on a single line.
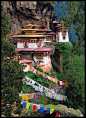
[(26, 44), (64, 37), (39, 56)]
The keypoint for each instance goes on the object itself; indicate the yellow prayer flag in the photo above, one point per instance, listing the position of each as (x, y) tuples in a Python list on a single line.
[(51, 111), (56, 81), (28, 67), (43, 75), (48, 94), (27, 105), (23, 97), (29, 96), (53, 80), (57, 97)]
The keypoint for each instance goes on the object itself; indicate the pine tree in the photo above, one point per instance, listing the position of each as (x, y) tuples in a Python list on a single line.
[(73, 73), (11, 72)]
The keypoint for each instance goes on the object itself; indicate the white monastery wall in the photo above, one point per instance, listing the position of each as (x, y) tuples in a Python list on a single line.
[(32, 45), (20, 45), (61, 37)]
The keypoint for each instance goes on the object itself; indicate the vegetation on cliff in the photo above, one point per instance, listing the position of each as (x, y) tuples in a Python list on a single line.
[(11, 72)]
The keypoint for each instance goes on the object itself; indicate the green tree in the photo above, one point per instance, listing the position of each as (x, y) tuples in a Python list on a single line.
[(75, 16), (11, 72), (73, 73)]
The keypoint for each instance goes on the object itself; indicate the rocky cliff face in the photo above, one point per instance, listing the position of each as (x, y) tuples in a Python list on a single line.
[(21, 13)]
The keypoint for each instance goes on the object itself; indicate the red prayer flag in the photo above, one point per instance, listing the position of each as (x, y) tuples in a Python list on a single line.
[(57, 114), (17, 103), (34, 107), (34, 95)]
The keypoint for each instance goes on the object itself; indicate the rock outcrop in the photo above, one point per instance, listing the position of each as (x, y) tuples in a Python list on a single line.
[(21, 13), (63, 110)]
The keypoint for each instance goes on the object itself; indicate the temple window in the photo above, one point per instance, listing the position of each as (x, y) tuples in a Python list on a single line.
[(25, 44), (63, 37), (39, 56)]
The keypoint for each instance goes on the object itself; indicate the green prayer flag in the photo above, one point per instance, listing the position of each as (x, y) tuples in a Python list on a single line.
[(31, 107)]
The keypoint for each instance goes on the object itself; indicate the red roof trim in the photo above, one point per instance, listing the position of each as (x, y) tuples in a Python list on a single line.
[(34, 49), (43, 30), (55, 22), (42, 49)]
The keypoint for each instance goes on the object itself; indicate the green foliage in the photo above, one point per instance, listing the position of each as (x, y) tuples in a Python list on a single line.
[(5, 28), (54, 13), (38, 68), (24, 89), (11, 72), (76, 12), (73, 73), (9, 96), (40, 79)]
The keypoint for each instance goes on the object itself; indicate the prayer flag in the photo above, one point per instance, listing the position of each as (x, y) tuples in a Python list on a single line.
[(34, 95), (53, 80), (59, 97), (57, 114), (38, 107), (24, 104), (38, 72), (48, 110), (31, 107), (51, 111), (59, 90), (49, 77), (32, 69), (23, 97), (64, 98), (56, 81), (29, 96), (51, 95), (56, 97), (26, 97), (34, 107), (48, 94), (65, 90), (41, 109), (46, 76), (27, 106)]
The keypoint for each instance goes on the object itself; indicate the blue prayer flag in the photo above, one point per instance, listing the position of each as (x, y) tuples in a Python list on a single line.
[(65, 90), (24, 104), (56, 97), (36, 94), (59, 90), (51, 95), (48, 110), (41, 109)]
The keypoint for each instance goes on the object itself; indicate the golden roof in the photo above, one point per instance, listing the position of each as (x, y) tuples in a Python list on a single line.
[(29, 36), (29, 25), (29, 29)]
